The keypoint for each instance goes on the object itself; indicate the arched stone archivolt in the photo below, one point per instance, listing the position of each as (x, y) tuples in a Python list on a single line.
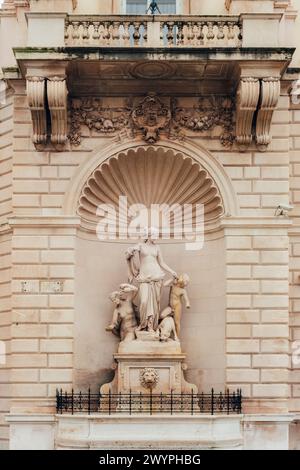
[(168, 173)]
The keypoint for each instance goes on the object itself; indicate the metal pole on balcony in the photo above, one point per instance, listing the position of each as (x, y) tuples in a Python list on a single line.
[(89, 401), (72, 404), (212, 401)]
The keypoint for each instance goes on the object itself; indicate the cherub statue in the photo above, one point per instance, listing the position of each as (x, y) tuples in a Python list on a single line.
[(124, 321), (166, 328), (178, 293)]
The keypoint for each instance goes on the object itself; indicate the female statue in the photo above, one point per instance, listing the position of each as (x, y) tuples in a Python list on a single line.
[(149, 274)]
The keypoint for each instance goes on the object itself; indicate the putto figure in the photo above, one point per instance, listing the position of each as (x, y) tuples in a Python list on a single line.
[(124, 321), (178, 293)]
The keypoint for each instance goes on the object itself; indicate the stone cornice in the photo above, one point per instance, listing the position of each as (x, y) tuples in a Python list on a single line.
[(280, 54)]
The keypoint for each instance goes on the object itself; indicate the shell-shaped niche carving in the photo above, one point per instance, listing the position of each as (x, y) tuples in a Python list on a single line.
[(149, 176)]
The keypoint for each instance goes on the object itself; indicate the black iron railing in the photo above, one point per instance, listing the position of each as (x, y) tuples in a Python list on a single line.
[(149, 403)]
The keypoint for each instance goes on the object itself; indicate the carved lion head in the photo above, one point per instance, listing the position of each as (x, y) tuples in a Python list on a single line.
[(149, 377)]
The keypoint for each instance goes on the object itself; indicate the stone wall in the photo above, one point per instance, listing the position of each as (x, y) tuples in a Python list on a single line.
[(6, 153)]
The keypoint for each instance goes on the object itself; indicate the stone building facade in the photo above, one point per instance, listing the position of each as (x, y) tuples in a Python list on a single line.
[(80, 79)]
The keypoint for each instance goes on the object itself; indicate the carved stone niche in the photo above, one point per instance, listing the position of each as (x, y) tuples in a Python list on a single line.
[(247, 101), (269, 95)]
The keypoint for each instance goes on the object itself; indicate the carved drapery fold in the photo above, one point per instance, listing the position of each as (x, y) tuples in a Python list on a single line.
[(36, 92), (57, 100), (269, 95), (247, 101)]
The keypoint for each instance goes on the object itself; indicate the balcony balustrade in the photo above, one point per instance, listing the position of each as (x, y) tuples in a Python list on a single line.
[(149, 31)]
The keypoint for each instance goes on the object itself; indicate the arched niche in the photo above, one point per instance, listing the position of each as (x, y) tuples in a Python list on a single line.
[(101, 266)]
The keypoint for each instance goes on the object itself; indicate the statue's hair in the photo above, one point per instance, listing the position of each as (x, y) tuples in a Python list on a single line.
[(114, 295)]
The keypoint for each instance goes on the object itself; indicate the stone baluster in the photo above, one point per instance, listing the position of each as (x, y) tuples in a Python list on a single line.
[(126, 33), (201, 32), (67, 30), (190, 34), (115, 32), (221, 34), (210, 32), (145, 33), (96, 33), (170, 33), (85, 30), (136, 33), (76, 31), (106, 32), (230, 34), (180, 33), (101, 33), (196, 33)]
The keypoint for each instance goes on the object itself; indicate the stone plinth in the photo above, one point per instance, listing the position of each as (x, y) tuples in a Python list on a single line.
[(144, 366)]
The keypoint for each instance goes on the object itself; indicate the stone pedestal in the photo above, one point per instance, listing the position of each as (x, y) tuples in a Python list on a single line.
[(149, 366)]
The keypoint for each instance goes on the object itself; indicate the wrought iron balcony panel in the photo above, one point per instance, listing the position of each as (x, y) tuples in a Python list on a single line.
[(148, 31)]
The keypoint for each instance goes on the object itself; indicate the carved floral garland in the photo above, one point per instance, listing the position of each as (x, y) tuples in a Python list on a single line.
[(151, 116)]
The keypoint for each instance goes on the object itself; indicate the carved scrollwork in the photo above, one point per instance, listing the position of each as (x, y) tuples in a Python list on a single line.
[(269, 95), (90, 112), (36, 93), (57, 100), (209, 113), (151, 116), (247, 100)]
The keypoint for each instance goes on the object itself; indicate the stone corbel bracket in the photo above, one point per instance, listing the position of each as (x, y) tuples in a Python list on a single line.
[(57, 101), (269, 95), (36, 93), (47, 98), (247, 101), (257, 99)]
